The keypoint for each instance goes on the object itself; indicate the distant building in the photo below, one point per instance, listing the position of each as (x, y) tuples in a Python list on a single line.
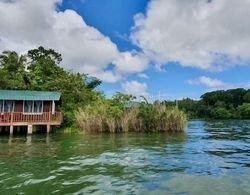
[(132, 104), (29, 109)]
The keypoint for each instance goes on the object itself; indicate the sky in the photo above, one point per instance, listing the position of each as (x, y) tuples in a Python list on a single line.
[(161, 49)]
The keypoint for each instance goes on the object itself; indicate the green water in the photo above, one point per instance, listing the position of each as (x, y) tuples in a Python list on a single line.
[(210, 158)]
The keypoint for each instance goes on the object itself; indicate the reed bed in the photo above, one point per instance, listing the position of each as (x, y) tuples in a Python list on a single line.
[(145, 118)]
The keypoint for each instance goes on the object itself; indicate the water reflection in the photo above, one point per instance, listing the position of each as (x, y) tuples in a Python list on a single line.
[(31, 146), (228, 130), (229, 140), (211, 157)]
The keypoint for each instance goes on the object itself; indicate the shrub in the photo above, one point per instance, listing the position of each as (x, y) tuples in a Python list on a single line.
[(244, 111), (220, 113)]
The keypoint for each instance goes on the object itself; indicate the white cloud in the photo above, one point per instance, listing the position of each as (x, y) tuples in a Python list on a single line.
[(215, 84), (129, 63), (26, 24), (207, 81), (108, 76), (210, 35), (143, 76), (135, 88)]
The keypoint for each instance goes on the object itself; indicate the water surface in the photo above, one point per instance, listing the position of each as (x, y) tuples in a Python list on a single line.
[(210, 158)]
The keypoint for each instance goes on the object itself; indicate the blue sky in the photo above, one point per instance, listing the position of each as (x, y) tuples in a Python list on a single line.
[(172, 48), (114, 18)]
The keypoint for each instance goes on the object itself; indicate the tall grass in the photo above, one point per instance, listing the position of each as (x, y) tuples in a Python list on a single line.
[(157, 117), (102, 117)]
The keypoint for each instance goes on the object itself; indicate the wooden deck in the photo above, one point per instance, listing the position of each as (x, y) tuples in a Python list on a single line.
[(22, 119)]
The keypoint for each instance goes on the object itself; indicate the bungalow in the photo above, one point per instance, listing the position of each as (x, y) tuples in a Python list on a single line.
[(29, 108)]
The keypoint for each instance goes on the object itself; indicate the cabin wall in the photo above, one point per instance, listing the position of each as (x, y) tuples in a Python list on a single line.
[(18, 106), (47, 106)]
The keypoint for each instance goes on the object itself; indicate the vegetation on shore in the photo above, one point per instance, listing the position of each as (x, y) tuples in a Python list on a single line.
[(82, 104), (114, 116), (221, 104), (85, 106)]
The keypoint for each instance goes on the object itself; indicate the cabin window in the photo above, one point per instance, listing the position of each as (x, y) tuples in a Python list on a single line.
[(8, 106), (33, 106), (38, 106), (28, 106)]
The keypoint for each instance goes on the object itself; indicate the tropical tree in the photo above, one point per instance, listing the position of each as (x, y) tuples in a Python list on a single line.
[(12, 71)]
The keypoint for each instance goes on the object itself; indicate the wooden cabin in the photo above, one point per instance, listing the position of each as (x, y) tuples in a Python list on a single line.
[(29, 108)]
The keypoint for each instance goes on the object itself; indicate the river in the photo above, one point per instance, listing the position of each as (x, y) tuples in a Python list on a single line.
[(211, 157)]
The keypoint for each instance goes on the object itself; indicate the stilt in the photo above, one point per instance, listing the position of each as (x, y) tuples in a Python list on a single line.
[(30, 129), (48, 128), (11, 130)]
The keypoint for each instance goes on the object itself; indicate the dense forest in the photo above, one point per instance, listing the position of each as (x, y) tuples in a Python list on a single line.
[(221, 104)]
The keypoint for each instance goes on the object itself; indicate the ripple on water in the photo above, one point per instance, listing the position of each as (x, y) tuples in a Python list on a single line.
[(38, 181), (211, 158)]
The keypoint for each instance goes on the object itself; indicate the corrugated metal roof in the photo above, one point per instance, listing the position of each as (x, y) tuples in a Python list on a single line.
[(29, 95), (132, 104)]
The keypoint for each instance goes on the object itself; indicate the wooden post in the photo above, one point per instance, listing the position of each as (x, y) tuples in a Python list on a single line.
[(30, 129), (11, 130), (50, 116), (11, 118), (53, 107)]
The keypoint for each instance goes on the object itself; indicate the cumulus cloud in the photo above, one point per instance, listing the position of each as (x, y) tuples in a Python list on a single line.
[(207, 81), (215, 84), (131, 63), (135, 88), (26, 24), (211, 35)]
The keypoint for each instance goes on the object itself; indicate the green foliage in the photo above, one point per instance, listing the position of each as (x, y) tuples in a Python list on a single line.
[(12, 71), (220, 113), (244, 111), (39, 70), (159, 117), (229, 104), (246, 97), (224, 104), (114, 116), (148, 114), (104, 114), (189, 106)]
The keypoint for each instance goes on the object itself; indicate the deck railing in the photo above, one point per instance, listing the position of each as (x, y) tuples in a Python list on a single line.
[(18, 117)]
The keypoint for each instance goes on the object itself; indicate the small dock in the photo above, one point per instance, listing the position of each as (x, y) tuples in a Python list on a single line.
[(29, 109), (10, 120)]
